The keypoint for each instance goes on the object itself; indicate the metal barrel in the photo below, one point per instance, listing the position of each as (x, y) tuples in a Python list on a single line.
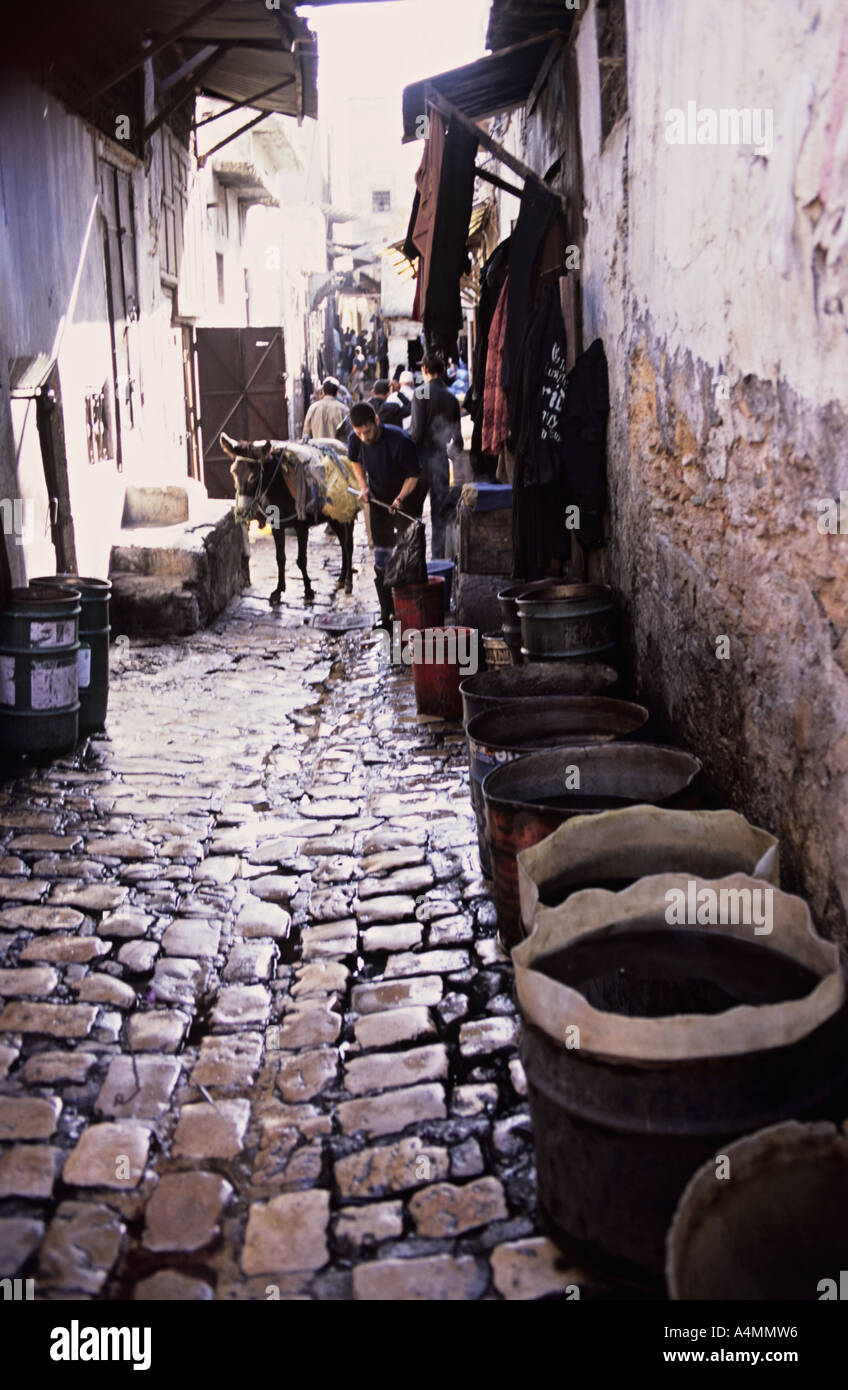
[(39, 699), (518, 727), (437, 675), (527, 799), (491, 688), (568, 622), (508, 602), (420, 605), (93, 656), (779, 1230), (648, 1050)]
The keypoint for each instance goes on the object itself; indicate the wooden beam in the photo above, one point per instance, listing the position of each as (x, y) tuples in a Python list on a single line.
[(452, 113), (499, 183), (236, 133), (248, 101), (187, 89), (185, 69), (543, 74), (152, 49)]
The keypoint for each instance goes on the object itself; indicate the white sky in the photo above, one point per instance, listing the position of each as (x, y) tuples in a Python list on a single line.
[(380, 48)]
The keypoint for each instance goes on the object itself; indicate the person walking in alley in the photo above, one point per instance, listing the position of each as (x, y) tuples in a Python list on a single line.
[(388, 413), (325, 415), (385, 462), (435, 428), (402, 391)]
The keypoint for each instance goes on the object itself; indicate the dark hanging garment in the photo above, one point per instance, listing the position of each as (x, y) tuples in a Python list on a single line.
[(540, 394), (426, 205), (539, 212), (442, 308), (538, 526), (539, 492), (584, 438), (492, 277)]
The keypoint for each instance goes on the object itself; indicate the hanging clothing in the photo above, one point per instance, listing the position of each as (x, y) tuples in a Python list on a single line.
[(492, 278), (584, 440), (540, 214), (538, 402), (495, 415), (422, 223), (441, 306), (538, 526)]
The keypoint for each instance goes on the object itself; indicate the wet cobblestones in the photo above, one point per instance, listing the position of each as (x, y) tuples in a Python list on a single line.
[(257, 1037)]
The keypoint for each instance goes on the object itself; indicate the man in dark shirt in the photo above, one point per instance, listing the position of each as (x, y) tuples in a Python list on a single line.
[(385, 462), (435, 428), (387, 412)]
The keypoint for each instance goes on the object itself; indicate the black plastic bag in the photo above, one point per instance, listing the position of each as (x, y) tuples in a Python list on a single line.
[(407, 563)]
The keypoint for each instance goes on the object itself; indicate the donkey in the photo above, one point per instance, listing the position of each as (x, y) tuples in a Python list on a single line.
[(264, 479)]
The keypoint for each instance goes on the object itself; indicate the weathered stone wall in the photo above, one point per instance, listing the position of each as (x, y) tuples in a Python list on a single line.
[(717, 276)]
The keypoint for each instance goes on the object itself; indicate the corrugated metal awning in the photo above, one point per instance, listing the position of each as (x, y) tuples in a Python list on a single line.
[(496, 83), (240, 51), (512, 21)]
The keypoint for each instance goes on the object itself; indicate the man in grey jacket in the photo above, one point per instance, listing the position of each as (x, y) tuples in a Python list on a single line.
[(435, 428)]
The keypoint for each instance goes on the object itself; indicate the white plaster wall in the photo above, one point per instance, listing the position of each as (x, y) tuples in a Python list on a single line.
[(745, 223), (53, 301)]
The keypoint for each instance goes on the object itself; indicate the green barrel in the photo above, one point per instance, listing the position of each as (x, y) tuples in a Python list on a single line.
[(93, 658), (39, 700)]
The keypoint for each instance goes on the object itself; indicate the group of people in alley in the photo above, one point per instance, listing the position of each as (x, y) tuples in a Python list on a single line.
[(400, 443)]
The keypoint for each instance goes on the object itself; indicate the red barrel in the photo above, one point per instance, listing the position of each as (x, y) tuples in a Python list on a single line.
[(440, 661), (420, 605)]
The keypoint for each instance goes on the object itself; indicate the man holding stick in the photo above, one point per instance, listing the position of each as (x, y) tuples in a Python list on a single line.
[(385, 462)]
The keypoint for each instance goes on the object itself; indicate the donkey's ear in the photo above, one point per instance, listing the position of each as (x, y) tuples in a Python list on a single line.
[(265, 448)]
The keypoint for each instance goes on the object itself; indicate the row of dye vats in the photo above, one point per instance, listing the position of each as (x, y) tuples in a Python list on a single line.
[(684, 1025)]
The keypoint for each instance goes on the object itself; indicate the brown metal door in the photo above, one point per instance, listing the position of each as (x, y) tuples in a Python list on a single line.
[(241, 373)]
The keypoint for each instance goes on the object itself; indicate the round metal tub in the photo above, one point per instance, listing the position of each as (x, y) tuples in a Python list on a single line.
[(568, 622), (540, 679), (527, 799), (519, 727)]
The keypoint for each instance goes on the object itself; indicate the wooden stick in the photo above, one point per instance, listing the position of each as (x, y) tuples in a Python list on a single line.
[(499, 183)]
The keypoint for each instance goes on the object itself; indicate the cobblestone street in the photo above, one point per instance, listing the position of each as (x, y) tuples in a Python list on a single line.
[(258, 1037)]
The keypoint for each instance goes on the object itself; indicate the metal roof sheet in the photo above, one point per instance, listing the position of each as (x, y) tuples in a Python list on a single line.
[(492, 84)]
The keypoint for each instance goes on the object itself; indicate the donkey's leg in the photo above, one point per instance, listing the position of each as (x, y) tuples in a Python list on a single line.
[(302, 532), (347, 555), (337, 529), (280, 548)]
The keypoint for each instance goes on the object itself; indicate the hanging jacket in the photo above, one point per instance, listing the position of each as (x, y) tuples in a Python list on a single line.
[(586, 414), (537, 406)]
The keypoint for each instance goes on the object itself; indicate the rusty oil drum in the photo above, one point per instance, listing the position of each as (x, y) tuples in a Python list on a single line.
[(93, 654), (535, 680), (39, 694), (568, 622), (519, 727), (527, 799)]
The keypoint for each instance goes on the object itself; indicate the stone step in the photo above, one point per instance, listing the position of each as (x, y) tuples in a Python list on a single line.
[(147, 605), (172, 580)]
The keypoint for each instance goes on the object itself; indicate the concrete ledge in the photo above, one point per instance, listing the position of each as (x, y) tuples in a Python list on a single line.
[(172, 580)]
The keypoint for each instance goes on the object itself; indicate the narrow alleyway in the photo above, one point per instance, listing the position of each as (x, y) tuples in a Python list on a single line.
[(258, 1037)]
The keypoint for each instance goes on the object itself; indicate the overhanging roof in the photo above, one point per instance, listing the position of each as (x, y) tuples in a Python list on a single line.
[(512, 21), (496, 83), (236, 50)]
